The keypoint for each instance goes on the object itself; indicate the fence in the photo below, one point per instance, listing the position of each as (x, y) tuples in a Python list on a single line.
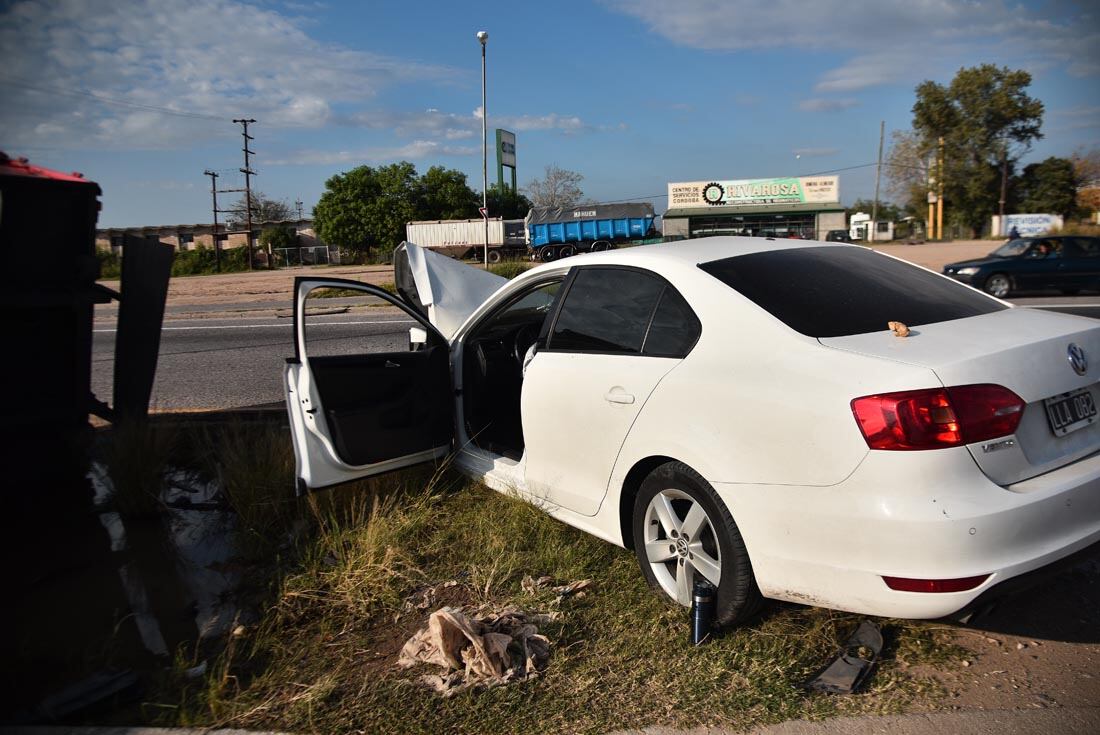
[(296, 257)]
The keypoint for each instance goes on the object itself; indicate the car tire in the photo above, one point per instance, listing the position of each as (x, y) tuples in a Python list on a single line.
[(566, 250), (674, 495), (494, 256), (998, 285), (548, 253)]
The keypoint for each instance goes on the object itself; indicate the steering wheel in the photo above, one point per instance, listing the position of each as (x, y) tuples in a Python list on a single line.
[(524, 337)]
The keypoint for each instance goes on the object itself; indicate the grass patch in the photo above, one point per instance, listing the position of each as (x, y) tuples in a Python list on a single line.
[(136, 454), (322, 657), (511, 268)]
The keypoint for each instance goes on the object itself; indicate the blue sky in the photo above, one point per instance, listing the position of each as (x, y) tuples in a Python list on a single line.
[(632, 94)]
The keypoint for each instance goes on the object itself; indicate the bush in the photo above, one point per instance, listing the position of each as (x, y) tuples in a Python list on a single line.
[(1077, 228), (202, 261), (110, 265)]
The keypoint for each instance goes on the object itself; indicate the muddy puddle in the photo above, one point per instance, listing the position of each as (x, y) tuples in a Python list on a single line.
[(104, 601)]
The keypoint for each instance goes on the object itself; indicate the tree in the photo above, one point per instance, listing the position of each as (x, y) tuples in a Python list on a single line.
[(558, 188), (887, 212), (446, 195), (907, 171), (1048, 187), (508, 204), (1086, 167), (263, 210), (278, 237), (366, 208), (987, 121)]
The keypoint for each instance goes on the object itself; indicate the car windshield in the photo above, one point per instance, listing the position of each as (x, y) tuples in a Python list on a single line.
[(1011, 249), (839, 291)]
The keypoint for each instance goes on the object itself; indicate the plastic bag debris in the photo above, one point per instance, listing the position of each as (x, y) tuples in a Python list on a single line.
[(480, 650), (852, 664)]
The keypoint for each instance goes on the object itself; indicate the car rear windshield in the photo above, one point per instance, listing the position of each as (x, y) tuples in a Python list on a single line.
[(839, 291)]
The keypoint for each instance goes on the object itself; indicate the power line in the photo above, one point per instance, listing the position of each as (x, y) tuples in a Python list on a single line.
[(12, 81)]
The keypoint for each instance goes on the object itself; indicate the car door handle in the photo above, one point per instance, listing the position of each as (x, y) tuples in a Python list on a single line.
[(613, 396)]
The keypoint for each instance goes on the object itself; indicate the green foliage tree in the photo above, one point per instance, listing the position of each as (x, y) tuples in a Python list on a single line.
[(887, 211), (987, 120), (1049, 187), (446, 195), (278, 237), (907, 171), (365, 209), (507, 203)]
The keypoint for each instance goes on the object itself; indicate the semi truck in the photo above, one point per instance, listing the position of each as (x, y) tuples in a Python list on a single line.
[(558, 232), (465, 238)]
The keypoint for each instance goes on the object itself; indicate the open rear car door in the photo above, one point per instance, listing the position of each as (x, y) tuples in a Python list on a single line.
[(362, 397)]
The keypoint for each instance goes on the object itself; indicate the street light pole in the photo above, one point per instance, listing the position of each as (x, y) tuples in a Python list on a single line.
[(483, 37)]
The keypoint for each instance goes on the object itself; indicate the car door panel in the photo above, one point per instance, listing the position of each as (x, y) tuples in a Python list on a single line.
[(369, 410)]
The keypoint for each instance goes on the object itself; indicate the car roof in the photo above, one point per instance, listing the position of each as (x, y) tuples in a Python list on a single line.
[(689, 253)]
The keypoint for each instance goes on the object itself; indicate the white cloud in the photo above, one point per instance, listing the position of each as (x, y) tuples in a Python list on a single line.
[(415, 150), (824, 104), (203, 58), (894, 40), (454, 126)]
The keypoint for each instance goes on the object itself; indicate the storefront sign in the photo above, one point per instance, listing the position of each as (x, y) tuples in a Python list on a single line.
[(1029, 225), (754, 192)]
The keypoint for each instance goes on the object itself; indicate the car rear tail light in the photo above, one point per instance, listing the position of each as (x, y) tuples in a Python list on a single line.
[(937, 417), (904, 584)]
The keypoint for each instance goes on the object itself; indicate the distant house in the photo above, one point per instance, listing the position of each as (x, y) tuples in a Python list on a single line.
[(190, 237)]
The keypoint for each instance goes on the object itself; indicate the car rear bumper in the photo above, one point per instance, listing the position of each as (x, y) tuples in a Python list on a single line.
[(907, 514)]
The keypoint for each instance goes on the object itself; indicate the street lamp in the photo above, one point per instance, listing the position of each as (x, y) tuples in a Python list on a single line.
[(483, 38)]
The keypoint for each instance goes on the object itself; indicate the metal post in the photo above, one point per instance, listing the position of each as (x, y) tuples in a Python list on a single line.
[(1004, 189), (878, 175), (483, 37), (939, 196), (214, 197), (248, 172)]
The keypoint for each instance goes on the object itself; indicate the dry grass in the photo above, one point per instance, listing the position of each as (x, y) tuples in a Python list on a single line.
[(136, 454), (322, 657)]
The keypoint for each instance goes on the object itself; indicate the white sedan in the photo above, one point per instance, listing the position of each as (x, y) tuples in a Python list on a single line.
[(735, 408)]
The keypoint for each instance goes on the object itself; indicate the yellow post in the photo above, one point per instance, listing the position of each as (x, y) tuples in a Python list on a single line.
[(939, 196)]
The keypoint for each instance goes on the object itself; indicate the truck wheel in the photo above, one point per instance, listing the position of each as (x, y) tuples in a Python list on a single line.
[(566, 250), (547, 254), (494, 256)]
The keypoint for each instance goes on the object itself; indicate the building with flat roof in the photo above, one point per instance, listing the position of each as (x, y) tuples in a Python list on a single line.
[(806, 207)]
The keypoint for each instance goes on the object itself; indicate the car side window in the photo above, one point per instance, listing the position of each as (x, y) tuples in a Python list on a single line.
[(1089, 247), (674, 330), (606, 310)]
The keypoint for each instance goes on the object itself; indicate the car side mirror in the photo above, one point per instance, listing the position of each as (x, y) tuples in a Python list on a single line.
[(418, 338)]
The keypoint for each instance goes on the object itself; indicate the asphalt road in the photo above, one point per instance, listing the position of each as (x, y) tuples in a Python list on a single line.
[(237, 361)]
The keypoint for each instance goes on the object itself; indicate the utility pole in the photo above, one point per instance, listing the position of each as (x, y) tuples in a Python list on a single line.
[(214, 197), (248, 172), (878, 176), (1004, 188), (483, 38), (939, 196)]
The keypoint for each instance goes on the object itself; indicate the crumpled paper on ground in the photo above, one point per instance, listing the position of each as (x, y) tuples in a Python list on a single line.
[(478, 650), (531, 586)]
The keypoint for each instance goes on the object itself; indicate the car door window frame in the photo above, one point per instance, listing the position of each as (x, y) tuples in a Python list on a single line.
[(545, 343)]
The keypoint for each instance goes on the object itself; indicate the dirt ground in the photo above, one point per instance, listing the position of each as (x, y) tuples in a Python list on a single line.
[(274, 286)]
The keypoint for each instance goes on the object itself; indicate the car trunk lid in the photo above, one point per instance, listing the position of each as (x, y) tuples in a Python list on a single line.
[(1024, 350)]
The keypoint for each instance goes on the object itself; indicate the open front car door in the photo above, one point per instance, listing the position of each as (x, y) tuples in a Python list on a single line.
[(367, 392)]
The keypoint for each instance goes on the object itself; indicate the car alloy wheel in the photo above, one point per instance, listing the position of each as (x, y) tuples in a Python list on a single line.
[(682, 531), (680, 543), (998, 285)]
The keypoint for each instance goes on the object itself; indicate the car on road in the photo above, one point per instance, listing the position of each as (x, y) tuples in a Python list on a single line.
[(1069, 264), (838, 236), (739, 410)]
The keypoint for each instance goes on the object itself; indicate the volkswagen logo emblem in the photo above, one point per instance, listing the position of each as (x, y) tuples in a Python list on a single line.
[(1077, 359)]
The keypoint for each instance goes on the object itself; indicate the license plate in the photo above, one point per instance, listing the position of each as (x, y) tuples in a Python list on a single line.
[(1070, 411)]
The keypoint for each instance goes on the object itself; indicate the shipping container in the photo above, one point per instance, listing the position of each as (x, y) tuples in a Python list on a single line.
[(465, 238), (558, 232)]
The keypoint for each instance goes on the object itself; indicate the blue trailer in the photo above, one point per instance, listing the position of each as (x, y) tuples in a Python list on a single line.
[(556, 232)]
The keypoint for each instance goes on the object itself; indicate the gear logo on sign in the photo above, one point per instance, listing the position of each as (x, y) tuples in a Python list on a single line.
[(713, 193)]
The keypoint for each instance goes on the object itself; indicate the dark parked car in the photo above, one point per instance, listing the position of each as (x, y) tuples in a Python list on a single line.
[(837, 236), (1068, 264)]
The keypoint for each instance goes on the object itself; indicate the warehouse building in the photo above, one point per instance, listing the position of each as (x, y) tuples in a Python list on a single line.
[(806, 207)]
